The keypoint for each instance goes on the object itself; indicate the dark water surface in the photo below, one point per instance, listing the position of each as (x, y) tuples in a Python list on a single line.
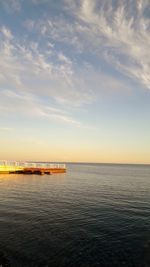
[(94, 215)]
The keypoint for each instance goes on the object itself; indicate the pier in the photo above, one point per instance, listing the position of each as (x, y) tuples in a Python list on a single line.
[(31, 167)]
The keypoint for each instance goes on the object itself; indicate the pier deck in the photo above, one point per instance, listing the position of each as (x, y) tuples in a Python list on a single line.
[(31, 168)]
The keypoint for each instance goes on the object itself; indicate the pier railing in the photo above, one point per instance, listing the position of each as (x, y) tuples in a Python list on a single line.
[(25, 164)]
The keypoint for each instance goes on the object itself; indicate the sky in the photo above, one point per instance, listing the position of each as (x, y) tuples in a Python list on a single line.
[(75, 80)]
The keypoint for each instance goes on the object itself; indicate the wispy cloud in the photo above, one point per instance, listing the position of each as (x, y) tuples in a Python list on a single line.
[(117, 32), (31, 105), (27, 68), (75, 69), (120, 32), (55, 66), (25, 71), (29, 74), (11, 5)]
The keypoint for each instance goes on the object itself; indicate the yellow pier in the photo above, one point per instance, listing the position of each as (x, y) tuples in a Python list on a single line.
[(31, 168)]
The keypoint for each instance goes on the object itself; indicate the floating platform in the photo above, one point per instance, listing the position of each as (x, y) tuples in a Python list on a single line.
[(31, 168)]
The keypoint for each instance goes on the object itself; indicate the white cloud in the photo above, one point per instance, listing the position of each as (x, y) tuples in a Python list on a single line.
[(25, 67), (6, 32), (64, 59), (116, 31), (61, 30), (31, 105), (11, 5), (122, 31), (28, 74), (118, 35)]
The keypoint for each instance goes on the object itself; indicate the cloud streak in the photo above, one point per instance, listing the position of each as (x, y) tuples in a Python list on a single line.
[(117, 32), (121, 32), (47, 73), (31, 105), (28, 75), (55, 66)]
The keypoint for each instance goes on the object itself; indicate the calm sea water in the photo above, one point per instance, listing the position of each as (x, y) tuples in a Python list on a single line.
[(94, 215)]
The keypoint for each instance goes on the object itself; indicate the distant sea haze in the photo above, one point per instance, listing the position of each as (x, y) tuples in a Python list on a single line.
[(94, 215)]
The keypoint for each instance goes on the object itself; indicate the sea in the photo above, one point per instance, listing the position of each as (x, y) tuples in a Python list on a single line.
[(94, 215)]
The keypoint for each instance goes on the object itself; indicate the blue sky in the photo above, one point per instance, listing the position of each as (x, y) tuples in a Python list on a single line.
[(75, 80)]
